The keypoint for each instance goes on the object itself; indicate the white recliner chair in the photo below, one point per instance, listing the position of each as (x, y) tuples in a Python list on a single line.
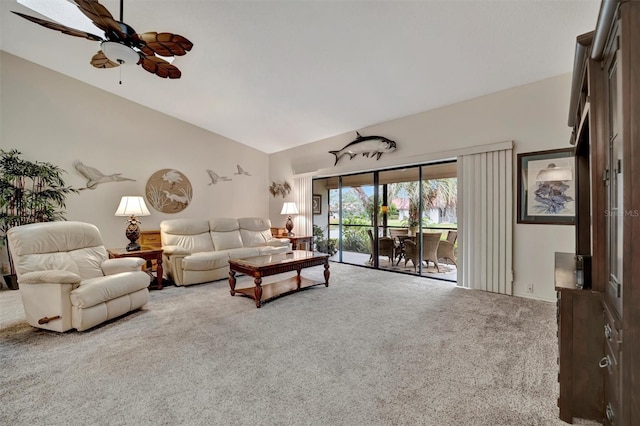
[(67, 280)]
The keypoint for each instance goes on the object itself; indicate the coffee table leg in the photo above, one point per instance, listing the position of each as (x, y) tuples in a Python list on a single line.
[(298, 278), (326, 274), (232, 282), (257, 291)]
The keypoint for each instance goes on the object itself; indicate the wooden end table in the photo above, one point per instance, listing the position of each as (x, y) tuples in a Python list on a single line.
[(146, 254), (297, 241), (262, 266)]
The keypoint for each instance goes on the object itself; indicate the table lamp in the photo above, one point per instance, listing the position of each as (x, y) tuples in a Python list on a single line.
[(289, 209), (132, 206)]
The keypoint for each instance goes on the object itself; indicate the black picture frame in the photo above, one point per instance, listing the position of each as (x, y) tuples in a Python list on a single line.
[(550, 200), (317, 204)]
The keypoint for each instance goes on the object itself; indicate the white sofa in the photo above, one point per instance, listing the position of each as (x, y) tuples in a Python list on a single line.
[(67, 280), (198, 251)]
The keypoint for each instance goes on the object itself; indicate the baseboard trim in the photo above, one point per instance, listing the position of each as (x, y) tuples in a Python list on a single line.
[(533, 296)]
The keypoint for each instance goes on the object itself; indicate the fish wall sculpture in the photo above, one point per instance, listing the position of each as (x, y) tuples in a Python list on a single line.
[(368, 146)]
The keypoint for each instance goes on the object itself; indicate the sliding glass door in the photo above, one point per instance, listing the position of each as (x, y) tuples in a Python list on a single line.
[(381, 219)]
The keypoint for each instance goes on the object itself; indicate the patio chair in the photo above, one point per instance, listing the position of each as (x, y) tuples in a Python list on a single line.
[(430, 242), (398, 232), (386, 247), (446, 248)]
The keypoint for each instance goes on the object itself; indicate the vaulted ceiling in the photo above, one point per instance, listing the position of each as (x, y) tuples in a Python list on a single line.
[(277, 74)]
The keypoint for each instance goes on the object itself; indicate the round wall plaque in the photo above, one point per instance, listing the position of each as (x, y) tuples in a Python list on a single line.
[(169, 191)]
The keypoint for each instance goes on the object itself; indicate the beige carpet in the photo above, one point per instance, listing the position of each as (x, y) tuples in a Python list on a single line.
[(374, 348)]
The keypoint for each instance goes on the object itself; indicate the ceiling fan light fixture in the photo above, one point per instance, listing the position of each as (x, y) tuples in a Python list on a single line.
[(120, 44), (120, 53)]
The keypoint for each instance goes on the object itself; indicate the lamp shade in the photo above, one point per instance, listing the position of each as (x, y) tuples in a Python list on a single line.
[(289, 208), (132, 205)]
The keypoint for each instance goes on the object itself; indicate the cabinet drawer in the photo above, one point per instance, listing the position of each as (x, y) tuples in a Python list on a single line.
[(611, 366), (150, 239), (611, 385), (612, 331)]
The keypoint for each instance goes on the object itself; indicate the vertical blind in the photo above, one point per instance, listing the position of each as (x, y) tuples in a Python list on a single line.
[(303, 222), (485, 221)]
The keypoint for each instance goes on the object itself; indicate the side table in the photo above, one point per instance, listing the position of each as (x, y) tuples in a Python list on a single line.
[(298, 241), (149, 255)]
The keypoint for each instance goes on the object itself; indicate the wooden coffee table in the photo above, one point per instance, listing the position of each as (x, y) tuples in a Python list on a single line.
[(262, 266)]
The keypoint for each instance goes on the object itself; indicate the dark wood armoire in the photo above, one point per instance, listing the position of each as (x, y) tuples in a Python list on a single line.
[(599, 312)]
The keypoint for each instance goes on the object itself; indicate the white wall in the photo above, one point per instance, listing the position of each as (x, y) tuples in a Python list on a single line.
[(533, 116), (50, 117)]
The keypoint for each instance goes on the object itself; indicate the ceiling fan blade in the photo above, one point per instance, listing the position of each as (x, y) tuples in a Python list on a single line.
[(100, 16), (165, 44), (59, 27), (159, 67), (99, 60)]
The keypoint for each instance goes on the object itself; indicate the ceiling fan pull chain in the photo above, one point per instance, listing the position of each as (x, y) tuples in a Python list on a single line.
[(120, 75)]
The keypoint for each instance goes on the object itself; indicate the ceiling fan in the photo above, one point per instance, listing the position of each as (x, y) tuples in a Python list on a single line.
[(121, 44)]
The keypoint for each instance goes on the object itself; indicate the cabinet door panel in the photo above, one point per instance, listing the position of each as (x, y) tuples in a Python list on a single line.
[(615, 200)]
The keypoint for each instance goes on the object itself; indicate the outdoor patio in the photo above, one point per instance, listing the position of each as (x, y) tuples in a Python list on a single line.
[(447, 272)]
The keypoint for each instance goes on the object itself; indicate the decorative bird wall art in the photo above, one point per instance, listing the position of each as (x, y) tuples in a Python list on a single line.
[(95, 176), (241, 171), (282, 189), (215, 178), (169, 191)]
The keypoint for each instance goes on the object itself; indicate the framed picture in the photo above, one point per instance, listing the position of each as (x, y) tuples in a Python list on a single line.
[(547, 187), (317, 204)]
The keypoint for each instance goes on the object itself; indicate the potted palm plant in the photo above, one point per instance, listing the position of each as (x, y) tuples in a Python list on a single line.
[(29, 192), (413, 223)]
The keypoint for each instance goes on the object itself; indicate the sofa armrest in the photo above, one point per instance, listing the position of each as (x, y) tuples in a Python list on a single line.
[(175, 250), (122, 264), (53, 276), (278, 242), (97, 290)]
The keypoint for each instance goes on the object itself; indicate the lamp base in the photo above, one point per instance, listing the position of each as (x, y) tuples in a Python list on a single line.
[(289, 226), (133, 233), (133, 247)]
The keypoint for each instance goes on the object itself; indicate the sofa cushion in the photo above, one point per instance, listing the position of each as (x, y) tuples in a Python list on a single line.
[(192, 235), (224, 224), (226, 240), (184, 226), (255, 231), (206, 261), (243, 253), (252, 238), (85, 262), (225, 233), (52, 237), (67, 246), (255, 224)]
